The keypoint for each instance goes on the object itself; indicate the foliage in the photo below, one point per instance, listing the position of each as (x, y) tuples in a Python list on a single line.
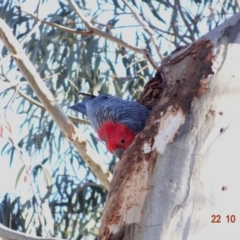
[(69, 62)]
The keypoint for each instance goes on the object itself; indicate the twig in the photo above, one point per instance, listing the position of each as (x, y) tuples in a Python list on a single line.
[(98, 32), (146, 28), (65, 29), (177, 2), (38, 104), (53, 75), (31, 100), (85, 94), (174, 28), (130, 65), (47, 99)]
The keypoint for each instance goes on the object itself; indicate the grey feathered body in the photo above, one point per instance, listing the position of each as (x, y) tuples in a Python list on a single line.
[(104, 107)]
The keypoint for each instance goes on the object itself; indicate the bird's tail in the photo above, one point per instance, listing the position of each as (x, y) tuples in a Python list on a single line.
[(81, 106)]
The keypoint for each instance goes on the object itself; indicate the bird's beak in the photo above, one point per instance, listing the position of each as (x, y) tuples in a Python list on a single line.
[(118, 152)]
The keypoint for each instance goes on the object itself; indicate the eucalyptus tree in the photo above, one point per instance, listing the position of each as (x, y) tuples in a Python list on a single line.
[(116, 47)]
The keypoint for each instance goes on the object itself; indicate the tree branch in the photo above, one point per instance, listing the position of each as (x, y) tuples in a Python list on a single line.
[(98, 32), (9, 234), (38, 104), (60, 27), (145, 27), (190, 31), (47, 99)]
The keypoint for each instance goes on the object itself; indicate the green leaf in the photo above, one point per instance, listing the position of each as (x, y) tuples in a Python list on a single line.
[(47, 176), (90, 50), (19, 175)]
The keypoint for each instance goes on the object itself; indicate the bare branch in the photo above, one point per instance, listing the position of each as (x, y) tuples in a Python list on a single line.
[(38, 104), (175, 28), (177, 2), (9, 234), (98, 32), (47, 99), (146, 28), (60, 27)]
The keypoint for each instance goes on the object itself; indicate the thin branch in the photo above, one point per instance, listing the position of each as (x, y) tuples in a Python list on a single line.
[(174, 27), (145, 27), (38, 104), (60, 27), (158, 29), (47, 99), (9, 234), (98, 32), (137, 61), (177, 2), (85, 94)]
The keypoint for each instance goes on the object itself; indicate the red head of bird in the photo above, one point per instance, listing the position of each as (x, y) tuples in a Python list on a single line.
[(116, 121)]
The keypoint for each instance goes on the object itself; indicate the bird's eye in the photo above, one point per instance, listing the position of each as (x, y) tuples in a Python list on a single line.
[(122, 141)]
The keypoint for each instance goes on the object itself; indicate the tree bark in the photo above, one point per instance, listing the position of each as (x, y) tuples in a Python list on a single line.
[(180, 178)]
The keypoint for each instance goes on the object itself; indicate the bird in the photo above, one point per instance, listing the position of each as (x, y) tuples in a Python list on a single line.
[(116, 121)]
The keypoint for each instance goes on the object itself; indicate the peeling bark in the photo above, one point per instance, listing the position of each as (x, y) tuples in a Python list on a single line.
[(182, 169)]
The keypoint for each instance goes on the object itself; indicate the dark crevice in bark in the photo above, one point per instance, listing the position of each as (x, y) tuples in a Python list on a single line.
[(152, 90)]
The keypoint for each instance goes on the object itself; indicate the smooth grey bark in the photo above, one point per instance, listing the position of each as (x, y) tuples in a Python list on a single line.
[(180, 178)]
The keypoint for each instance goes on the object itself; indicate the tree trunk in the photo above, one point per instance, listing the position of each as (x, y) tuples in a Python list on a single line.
[(180, 178)]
